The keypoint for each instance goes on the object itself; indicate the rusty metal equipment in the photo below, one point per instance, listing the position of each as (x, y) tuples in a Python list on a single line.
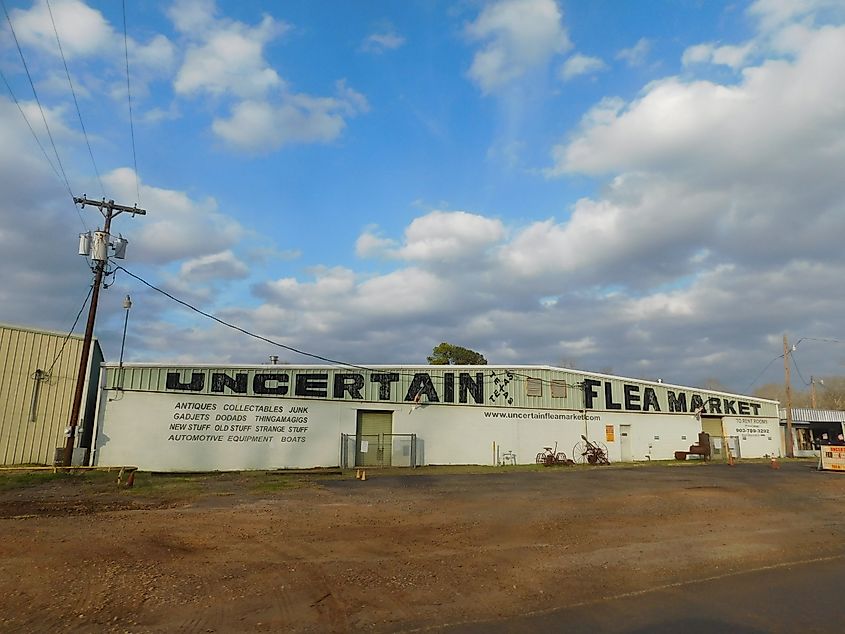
[(551, 457), (593, 453), (701, 448)]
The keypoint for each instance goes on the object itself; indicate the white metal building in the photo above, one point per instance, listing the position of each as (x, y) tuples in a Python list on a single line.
[(173, 418)]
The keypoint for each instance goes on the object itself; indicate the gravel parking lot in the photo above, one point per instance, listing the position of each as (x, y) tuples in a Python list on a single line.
[(406, 552)]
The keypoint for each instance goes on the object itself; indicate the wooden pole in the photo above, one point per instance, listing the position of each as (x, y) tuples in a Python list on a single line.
[(790, 451)]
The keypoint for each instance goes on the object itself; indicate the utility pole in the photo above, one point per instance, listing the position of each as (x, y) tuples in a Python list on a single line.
[(101, 257), (813, 381), (790, 452)]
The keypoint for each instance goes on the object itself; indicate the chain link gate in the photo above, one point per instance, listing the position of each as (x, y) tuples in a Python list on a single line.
[(378, 450)]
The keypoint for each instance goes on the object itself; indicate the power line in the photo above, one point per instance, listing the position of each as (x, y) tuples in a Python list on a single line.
[(577, 386), (70, 332), (38, 141), (762, 372), (795, 363), (824, 340), (29, 125), (238, 328), (129, 99), (75, 102), (37, 100), (780, 356)]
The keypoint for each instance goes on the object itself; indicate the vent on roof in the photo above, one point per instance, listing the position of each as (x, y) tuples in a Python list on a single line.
[(534, 387), (558, 388)]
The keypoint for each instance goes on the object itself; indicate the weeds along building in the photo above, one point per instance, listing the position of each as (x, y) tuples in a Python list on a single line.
[(38, 377), (276, 416)]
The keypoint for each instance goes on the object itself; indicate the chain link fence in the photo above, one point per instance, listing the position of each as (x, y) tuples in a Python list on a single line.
[(378, 450)]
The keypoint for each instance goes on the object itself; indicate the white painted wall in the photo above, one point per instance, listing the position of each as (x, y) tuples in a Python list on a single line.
[(136, 429), (757, 436), (143, 429), (464, 435)]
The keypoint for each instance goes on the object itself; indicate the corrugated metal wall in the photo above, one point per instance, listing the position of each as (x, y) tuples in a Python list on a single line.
[(815, 415), (22, 352), (517, 386)]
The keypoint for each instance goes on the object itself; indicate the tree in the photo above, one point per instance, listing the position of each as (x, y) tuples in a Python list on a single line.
[(830, 394), (450, 354), (715, 385)]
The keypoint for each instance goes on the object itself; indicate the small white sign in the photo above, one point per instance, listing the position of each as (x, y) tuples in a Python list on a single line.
[(365, 446)]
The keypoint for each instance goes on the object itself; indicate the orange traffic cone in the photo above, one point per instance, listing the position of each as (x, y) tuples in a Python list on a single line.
[(363, 475), (357, 474), (731, 462), (774, 464)]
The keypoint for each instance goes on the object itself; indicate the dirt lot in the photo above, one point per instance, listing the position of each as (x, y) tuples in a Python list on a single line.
[(264, 552)]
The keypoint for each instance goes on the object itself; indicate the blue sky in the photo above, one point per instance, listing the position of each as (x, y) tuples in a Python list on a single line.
[(648, 187)]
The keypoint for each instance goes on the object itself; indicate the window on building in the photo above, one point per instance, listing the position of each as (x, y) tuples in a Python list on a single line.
[(558, 388), (534, 387)]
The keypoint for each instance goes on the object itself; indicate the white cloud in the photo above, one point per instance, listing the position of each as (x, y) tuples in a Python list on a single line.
[(229, 59), (517, 36), (705, 129), (175, 227), (635, 223), (718, 228), (732, 56), (159, 53), (507, 152), (263, 126), (438, 237), (44, 281), (382, 41), (449, 236), (226, 59), (216, 266), (156, 115), (192, 16), (83, 31), (266, 254), (329, 286), (581, 65), (698, 54), (690, 259), (369, 244), (637, 54), (338, 299), (775, 14)]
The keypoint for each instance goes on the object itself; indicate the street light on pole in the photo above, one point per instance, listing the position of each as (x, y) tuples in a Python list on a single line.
[(127, 304), (813, 381)]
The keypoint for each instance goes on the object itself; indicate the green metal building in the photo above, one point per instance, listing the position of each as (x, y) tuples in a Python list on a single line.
[(38, 373)]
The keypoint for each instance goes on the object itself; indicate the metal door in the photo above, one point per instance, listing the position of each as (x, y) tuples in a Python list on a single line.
[(713, 426), (373, 446), (733, 444), (625, 442)]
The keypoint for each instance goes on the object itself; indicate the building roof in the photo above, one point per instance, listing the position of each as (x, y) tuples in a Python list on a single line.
[(42, 331), (806, 415), (422, 367)]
